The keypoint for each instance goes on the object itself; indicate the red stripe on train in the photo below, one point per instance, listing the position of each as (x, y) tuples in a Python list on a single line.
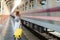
[(45, 17), (56, 9)]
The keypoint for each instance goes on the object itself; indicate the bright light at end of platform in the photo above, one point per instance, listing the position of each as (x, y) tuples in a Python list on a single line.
[(16, 3)]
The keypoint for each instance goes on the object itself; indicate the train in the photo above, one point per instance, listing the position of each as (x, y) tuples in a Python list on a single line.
[(41, 15)]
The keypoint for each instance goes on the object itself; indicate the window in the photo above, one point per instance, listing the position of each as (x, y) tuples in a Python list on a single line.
[(32, 4), (29, 6)]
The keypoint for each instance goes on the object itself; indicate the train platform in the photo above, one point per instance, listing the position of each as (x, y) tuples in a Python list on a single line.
[(3, 27), (6, 33), (9, 34)]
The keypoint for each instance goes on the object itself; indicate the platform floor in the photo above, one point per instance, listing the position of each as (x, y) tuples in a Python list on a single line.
[(9, 33), (3, 27)]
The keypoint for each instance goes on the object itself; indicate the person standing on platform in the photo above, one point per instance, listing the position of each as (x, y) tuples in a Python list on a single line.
[(17, 21)]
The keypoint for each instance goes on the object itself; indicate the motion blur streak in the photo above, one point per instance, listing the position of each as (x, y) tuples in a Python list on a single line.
[(16, 3), (45, 17)]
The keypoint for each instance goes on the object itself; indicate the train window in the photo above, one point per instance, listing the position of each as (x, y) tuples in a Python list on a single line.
[(43, 2), (32, 4), (29, 6)]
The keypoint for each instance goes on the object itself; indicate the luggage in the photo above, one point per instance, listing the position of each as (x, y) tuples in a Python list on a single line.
[(18, 33)]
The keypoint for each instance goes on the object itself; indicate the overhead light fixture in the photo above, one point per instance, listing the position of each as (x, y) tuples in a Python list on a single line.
[(43, 2)]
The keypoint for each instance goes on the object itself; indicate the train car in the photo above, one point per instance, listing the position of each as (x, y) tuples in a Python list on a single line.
[(43, 13), (43, 10)]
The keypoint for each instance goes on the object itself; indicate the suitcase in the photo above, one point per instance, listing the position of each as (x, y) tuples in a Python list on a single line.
[(18, 33)]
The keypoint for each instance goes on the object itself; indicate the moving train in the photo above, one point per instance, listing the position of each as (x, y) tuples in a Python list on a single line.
[(45, 13), (41, 17)]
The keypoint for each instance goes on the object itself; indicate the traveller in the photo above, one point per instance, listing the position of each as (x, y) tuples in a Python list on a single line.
[(17, 20)]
